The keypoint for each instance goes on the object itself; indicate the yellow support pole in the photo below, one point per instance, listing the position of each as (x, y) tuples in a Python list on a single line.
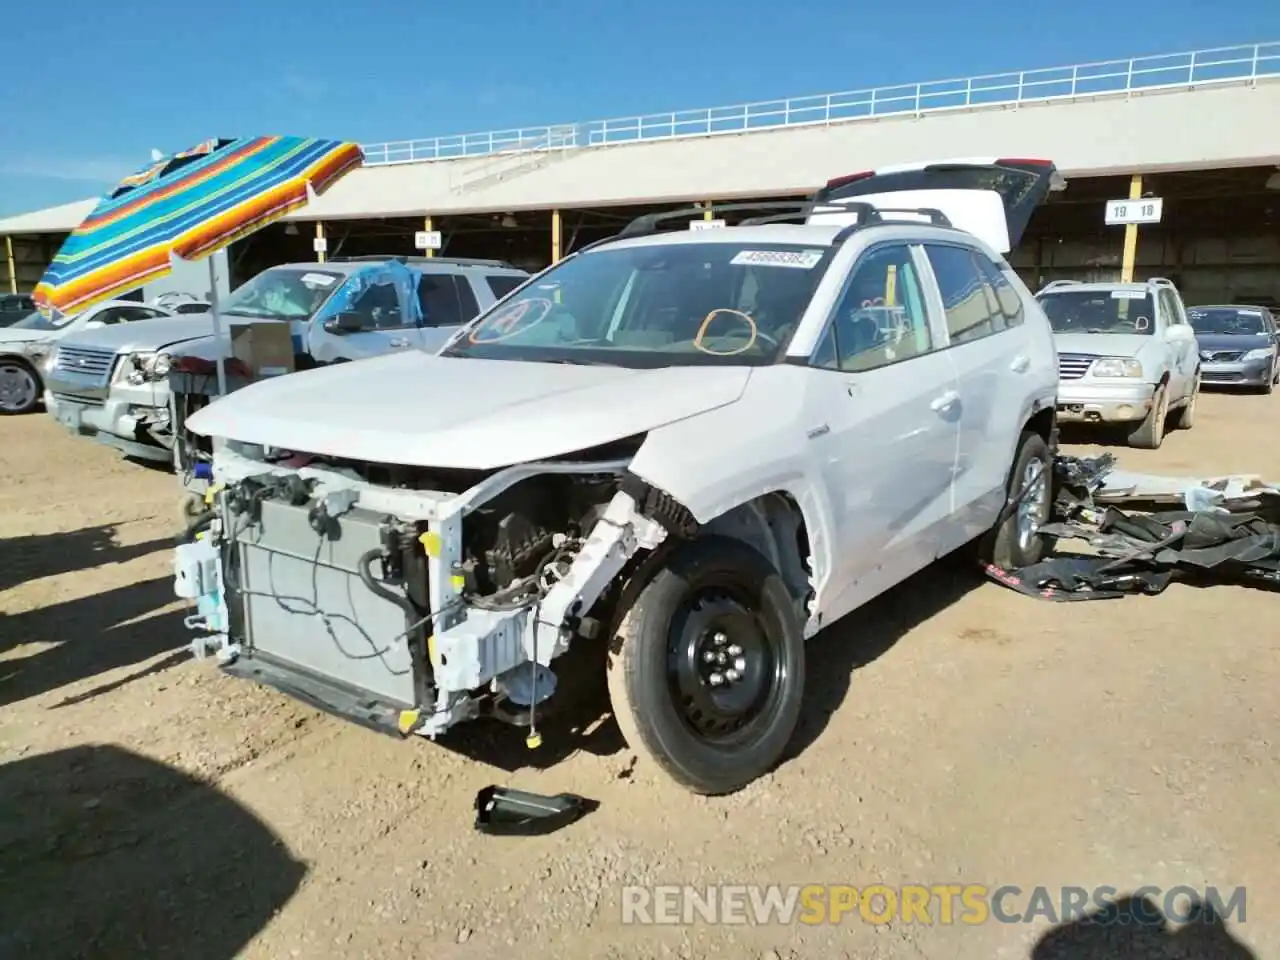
[(319, 236), (1131, 234), (706, 209), (13, 270), (426, 225), (555, 236)]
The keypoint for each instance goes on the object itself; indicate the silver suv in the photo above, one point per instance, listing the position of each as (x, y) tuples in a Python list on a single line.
[(1126, 356)]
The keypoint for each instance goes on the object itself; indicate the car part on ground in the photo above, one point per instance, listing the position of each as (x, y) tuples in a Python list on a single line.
[(504, 812), (1228, 531)]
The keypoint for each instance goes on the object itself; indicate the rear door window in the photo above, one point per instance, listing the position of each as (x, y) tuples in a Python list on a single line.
[(446, 300), (970, 302), (502, 285)]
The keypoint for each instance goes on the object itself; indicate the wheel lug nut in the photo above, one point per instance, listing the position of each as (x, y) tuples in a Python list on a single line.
[(708, 656), (720, 639), (721, 659), (731, 675), (740, 664), (735, 650), (716, 679)]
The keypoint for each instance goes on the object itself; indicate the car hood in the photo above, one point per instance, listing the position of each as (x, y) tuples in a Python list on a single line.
[(1232, 341), (450, 412), (1103, 344), (10, 337), (142, 335)]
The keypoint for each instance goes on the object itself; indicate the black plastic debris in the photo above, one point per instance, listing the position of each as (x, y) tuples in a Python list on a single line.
[(1235, 540), (501, 811)]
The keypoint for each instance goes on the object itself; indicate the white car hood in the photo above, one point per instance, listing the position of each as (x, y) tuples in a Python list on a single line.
[(10, 336), (424, 410), (1103, 344)]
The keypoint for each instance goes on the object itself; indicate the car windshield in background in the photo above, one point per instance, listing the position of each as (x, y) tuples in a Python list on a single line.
[(34, 321), (1099, 311), (283, 294), (1227, 321), (678, 304)]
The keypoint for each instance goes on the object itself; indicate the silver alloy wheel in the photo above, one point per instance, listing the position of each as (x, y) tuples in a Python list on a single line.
[(18, 388), (1033, 508)]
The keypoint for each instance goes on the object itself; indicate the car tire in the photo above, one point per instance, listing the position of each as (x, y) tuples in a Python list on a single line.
[(1268, 387), (1149, 434), (1004, 545), (714, 604), (1187, 415), (20, 388)]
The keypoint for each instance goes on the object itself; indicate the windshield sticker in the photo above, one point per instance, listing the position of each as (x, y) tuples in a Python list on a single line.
[(317, 280), (797, 259), (515, 319), (1128, 295)]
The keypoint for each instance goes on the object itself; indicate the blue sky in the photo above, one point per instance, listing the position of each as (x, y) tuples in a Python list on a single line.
[(96, 84)]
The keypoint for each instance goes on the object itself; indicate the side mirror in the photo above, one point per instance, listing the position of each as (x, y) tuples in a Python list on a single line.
[(346, 323)]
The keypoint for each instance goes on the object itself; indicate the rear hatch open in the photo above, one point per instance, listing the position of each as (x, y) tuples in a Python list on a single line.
[(992, 199)]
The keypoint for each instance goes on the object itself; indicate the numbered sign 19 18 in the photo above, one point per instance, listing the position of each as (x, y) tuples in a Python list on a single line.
[(1144, 210)]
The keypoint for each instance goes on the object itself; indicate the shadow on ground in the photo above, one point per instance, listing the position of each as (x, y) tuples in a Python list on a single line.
[(867, 634), (89, 636), (47, 554), (834, 656), (109, 854), (1135, 927)]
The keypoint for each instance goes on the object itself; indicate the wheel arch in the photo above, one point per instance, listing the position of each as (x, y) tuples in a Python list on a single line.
[(25, 362)]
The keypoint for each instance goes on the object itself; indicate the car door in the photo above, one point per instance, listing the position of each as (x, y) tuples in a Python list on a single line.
[(1181, 341), (384, 327), (447, 301), (882, 413), (992, 357)]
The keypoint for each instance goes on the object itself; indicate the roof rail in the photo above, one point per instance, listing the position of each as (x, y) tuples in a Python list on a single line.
[(1054, 284), (1161, 282), (868, 214), (420, 258)]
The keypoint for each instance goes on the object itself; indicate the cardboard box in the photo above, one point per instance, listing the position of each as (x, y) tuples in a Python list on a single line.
[(265, 348)]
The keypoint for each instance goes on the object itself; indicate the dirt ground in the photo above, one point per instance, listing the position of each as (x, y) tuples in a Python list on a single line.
[(955, 733)]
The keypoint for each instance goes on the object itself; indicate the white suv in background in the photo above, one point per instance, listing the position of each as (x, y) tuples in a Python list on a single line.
[(1127, 355), (682, 453)]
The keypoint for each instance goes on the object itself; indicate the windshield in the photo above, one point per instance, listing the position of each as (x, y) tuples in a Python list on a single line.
[(678, 304), (1099, 311), (282, 293), (33, 321), (1229, 321)]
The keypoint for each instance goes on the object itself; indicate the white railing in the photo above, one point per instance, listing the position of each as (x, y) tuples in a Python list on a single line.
[(1105, 78)]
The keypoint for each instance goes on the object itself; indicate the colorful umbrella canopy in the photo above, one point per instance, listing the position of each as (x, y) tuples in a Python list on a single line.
[(188, 205)]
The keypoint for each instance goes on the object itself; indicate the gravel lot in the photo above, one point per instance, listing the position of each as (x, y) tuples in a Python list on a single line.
[(956, 733)]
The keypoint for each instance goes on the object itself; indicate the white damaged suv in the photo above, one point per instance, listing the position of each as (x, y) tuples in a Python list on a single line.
[(671, 459)]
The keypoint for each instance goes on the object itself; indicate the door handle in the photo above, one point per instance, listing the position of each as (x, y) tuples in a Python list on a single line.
[(945, 402), (399, 342), (1021, 364)]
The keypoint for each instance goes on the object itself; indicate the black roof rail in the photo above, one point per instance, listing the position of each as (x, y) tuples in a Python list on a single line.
[(868, 214)]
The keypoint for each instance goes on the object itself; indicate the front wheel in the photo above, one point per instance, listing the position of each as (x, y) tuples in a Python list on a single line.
[(706, 670), (1149, 434), (19, 388), (1187, 415)]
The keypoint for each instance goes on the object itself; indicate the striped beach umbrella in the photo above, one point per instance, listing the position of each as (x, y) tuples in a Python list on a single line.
[(187, 205)]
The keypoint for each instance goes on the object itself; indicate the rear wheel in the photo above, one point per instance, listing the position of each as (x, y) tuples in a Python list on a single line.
[(19, 388), (1149, 434), (1016, 541), (706, 672)]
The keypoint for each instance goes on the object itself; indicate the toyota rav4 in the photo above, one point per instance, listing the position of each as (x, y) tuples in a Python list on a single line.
[(682, 452)]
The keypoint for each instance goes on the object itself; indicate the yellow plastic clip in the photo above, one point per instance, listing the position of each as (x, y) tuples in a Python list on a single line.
[(533, 741), (408, 720), (430, 543), (212, 492)]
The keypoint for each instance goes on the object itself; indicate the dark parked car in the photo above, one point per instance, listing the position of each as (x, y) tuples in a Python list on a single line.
[(15, 306), (1237, 345)]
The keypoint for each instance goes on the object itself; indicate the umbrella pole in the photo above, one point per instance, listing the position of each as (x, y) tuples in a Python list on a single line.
[(217, 327)]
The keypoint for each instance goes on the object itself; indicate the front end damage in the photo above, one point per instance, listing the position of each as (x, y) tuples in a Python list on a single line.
[(409, 599)]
